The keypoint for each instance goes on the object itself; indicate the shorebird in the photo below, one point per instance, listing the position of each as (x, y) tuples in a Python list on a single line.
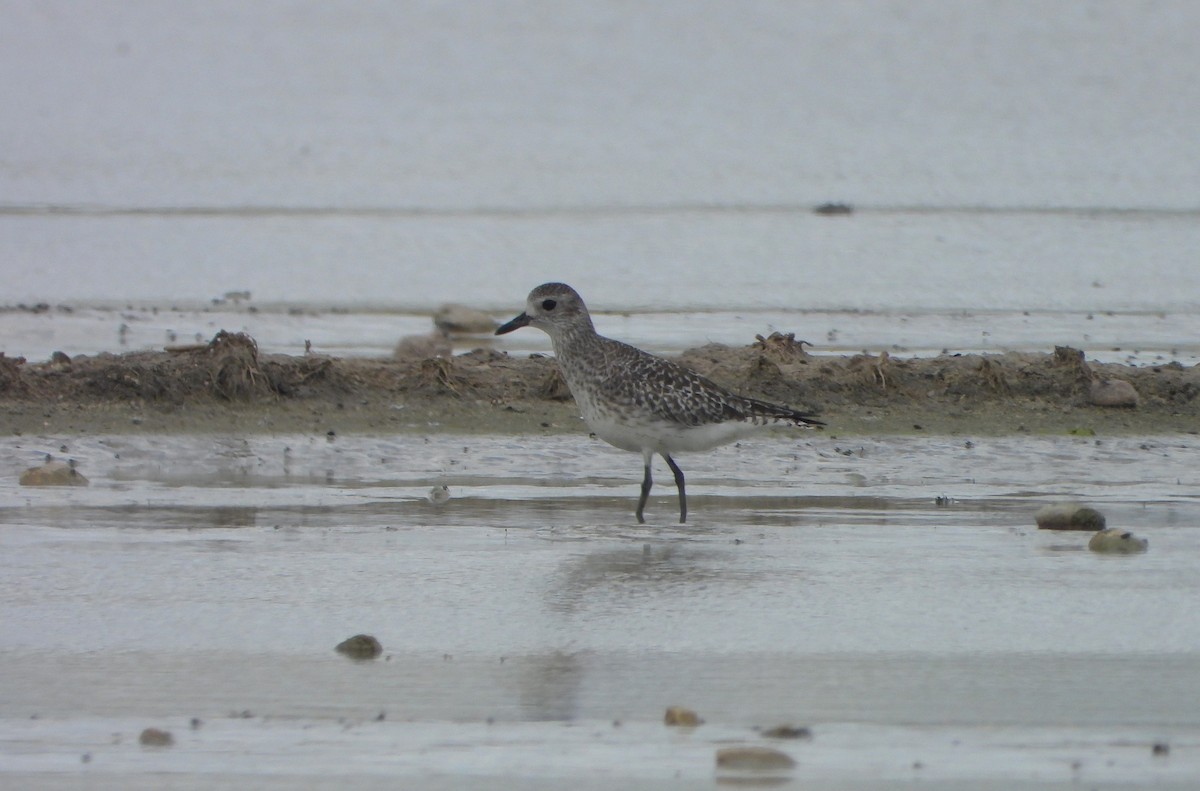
[(636, 401)]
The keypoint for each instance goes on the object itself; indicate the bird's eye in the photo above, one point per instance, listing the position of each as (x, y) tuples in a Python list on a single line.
[(548, 304)]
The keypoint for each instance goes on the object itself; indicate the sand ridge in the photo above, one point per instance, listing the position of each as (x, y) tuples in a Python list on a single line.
[(227, 385)]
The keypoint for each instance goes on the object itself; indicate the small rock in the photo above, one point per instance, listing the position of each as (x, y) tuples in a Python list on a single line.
[(1068, 516), (679, 716), (461, 320), (439, 494), (1160, 749), (753, 758), (53, 473), (153, 737), (1114, 393), (787, 732), (1117, 542), (360, 646)]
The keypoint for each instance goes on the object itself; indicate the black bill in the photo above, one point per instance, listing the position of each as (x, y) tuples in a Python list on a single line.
[(516, 324)]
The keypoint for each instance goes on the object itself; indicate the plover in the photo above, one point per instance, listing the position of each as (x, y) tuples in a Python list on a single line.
[(636, 401)]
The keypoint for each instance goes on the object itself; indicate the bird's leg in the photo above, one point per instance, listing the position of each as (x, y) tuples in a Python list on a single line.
[(646, 484), (679, 484)]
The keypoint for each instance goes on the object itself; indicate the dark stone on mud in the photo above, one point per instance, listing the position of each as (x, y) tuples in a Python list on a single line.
[(53, 473), (681, 717), (787, 732), (1069, 516), (1114, 541), (154, 737), (360, 647), (756, 759), (1113, 393)]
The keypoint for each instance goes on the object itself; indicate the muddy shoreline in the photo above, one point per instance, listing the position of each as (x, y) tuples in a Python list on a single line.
[(228, 386)]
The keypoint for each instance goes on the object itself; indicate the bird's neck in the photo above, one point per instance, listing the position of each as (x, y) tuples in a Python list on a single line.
[(580, 354), (571, 338)]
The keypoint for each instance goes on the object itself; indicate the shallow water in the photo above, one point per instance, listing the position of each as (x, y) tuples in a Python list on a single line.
[(819, 583), (1004, 156)]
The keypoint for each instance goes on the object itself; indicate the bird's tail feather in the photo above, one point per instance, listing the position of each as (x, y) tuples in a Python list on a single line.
[(768, 412)]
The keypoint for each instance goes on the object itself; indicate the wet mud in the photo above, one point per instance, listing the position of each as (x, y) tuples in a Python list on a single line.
[(228, 385)]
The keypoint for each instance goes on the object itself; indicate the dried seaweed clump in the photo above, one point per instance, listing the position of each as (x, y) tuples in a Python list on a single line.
[(782, 348), (10, 374), (234, 371), (438, 375), (1073, 362)]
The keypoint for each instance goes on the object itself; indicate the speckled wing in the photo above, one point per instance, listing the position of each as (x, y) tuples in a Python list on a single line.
[(681, 396)]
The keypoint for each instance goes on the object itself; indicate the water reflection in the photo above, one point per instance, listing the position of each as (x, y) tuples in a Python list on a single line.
[(227, 516), (634, 574), (548, 686)]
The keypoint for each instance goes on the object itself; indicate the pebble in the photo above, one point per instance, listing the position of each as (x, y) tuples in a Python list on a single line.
[(360, 646), (679, 716), (787, 732), (53, 473), (1068, 516), (154, 737), (1117, 542), (1114, 393), (754, 758)]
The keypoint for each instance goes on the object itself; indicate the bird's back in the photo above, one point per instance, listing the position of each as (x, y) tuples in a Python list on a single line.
[(630, 398)]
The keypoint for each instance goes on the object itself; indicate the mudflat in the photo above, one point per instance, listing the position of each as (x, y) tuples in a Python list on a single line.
[(228, 385)]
